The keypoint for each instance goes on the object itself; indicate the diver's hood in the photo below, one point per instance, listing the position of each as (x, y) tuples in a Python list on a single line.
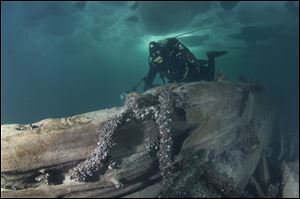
[(153, 46)]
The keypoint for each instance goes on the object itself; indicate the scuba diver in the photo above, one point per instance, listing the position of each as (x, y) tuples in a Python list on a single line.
[(171, 59)]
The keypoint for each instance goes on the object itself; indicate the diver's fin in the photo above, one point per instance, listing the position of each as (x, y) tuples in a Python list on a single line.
[(202, 61), (214, 54)]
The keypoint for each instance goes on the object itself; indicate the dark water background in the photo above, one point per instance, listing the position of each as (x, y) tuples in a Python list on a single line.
[(64, 58)]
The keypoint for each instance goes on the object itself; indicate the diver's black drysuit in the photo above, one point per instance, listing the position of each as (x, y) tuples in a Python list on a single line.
[(171, 59)]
